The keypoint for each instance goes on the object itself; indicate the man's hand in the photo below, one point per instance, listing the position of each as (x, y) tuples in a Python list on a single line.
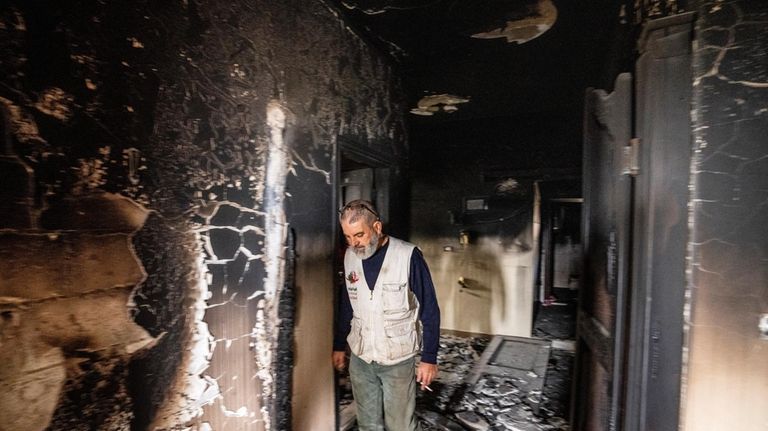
[(425, 373), (339, 359)]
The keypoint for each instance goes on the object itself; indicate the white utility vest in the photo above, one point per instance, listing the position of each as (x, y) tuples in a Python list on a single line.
[(385, 324)]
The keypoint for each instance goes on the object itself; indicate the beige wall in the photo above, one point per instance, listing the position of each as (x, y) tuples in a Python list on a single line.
[(499, 297), (313, 384), (727, 384)]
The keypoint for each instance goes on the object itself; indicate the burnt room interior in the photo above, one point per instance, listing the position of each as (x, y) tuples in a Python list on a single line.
[(587, 182)]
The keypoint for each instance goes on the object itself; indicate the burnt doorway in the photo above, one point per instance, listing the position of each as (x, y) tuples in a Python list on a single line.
[(361, 174), (606, 238), (560, 256)]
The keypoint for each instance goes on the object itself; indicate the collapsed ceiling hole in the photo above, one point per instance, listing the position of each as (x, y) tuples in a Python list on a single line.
[(428, 105), (542, 18)]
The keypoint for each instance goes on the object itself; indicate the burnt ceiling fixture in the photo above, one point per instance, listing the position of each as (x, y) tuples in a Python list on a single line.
[(541, 18), (429, 105), (508, 56)]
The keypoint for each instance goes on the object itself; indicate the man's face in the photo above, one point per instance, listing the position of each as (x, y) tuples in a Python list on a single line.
[(362, 237)]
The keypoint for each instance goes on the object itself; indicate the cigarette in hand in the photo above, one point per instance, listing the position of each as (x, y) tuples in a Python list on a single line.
[(427, 388)]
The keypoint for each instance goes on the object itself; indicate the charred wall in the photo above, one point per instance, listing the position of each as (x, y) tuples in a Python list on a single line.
[(727, 276), (156, 155)]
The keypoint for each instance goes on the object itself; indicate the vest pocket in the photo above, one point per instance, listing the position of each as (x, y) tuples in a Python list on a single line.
[(402, 339), (355, 339), (395, 297)]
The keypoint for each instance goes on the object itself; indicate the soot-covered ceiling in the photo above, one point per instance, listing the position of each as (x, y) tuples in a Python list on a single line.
[(462, 59)]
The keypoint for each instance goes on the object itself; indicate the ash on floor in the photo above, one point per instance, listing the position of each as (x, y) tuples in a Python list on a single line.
[(556, 321), (494, 403)]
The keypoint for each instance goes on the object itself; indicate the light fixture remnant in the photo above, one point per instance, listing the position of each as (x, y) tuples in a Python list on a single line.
[(428, 105), (508, 186), (526, 29)]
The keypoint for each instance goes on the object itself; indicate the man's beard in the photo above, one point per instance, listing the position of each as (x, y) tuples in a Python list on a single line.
[(367, 251)]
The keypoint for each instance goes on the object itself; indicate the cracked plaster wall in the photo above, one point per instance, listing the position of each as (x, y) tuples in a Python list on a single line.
[(134, 228), (726, 384)]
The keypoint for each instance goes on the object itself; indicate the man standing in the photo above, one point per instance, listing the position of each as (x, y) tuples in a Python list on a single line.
[(388, 313)]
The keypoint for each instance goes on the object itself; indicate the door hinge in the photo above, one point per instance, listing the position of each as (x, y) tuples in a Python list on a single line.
[(632, 158)]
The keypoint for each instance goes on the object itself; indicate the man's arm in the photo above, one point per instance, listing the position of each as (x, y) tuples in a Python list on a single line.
[(421, 284), (343, 325)]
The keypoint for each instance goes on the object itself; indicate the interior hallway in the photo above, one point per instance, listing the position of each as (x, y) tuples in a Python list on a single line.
[(171, 172)]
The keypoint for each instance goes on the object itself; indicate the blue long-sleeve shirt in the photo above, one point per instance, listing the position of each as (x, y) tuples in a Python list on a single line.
[(421, 285)]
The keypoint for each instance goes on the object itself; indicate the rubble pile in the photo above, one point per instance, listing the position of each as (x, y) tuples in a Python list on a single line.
[(494, 403)]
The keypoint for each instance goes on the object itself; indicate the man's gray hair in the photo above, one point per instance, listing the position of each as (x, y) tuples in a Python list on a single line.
[(358, 209)]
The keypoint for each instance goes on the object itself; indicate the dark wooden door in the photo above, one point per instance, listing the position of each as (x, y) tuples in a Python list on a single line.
[(606, 240), (660, 220)]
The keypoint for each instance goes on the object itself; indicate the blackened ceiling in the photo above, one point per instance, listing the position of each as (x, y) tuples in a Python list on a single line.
[(458, 47)]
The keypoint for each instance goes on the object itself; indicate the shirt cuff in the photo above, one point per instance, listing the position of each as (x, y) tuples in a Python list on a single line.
[(429, 358)]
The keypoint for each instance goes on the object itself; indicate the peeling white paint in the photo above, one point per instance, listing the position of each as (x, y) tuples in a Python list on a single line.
[(276, 228), (526, 29), (242, 412), (263, 347), (204, 391), (278, 164), (196, 389), (312, 166)]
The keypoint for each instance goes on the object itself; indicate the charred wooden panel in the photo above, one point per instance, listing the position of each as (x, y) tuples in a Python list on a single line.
[(660, 224), (606, 239)]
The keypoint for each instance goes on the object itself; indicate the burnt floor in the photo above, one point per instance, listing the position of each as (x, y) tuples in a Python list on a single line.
[(496, 403)]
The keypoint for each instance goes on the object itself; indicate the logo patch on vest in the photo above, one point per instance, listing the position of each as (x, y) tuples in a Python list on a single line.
[(352, 277)]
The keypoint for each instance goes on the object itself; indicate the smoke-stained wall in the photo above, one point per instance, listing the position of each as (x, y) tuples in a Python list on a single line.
[(156, 156), (726, 383)]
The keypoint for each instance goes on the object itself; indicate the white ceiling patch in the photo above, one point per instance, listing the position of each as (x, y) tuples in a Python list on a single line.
[(526, 29)]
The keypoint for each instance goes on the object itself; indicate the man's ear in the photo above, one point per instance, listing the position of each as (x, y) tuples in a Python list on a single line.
[(377, 226)]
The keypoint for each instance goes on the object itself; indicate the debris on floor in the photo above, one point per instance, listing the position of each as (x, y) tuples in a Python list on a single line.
[(494, 402), (465, 399)]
